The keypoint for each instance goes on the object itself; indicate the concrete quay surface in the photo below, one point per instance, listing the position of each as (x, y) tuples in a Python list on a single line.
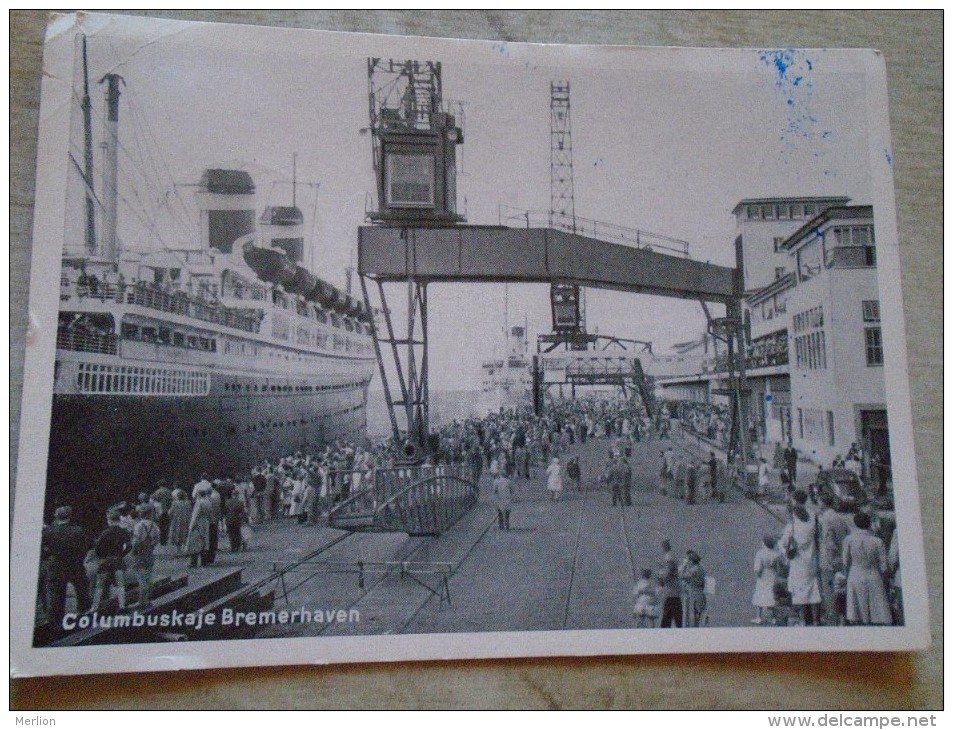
[(568, 564)]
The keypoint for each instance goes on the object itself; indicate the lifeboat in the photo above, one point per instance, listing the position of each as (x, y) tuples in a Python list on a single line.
[(303, 282), (271, 265)]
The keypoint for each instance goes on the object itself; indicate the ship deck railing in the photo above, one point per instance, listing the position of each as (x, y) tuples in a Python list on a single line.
[(97, 342), (173, 302)]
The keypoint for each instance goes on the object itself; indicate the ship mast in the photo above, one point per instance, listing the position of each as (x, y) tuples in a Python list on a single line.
[(110, 248), (87, 108)]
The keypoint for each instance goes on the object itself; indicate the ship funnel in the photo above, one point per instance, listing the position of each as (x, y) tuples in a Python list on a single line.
[(226, 202), (283, 227)]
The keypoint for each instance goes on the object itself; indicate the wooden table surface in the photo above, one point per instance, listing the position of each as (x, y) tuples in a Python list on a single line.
[(912, 43)]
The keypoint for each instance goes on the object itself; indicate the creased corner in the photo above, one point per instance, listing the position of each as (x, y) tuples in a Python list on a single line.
[(59, 23)]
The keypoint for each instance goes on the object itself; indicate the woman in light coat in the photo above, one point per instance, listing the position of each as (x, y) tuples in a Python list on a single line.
[(197, 544), (554, 479), (180, 513), (865, 557), (766, 564), (799, 545)]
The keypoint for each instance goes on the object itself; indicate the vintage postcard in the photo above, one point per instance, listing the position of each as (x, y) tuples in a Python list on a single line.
[(367, 348)]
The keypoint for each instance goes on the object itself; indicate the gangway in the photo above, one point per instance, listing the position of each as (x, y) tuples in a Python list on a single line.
[(418, 500)]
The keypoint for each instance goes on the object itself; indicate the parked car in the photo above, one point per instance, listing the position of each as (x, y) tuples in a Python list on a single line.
[(844, 487)]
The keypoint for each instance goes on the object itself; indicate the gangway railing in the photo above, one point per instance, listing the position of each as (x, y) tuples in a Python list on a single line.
[(431, 506), (418, 500), (600, 230)]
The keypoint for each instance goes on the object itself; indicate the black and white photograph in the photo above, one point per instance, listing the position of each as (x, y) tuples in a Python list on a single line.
[(357, 348)]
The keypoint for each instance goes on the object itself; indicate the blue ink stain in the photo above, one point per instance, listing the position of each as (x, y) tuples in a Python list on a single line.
[(888, 157), (790, 102), (768, 398), (598, 162), (810, 66), (826, 135), (797, 81)]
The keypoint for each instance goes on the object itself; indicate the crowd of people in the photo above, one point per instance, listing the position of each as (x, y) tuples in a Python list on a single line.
[(823, 569), (828, 569), (187, 521), (691, 478), (675, 595), (708, 420)]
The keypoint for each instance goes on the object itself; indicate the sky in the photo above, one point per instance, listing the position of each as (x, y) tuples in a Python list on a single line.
[(665, 140)]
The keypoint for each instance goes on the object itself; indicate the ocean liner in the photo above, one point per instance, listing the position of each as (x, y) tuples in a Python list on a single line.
[(508, 381), (211, 357)]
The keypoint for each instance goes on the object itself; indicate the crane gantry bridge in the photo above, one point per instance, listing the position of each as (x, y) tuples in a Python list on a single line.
[(418, 238)]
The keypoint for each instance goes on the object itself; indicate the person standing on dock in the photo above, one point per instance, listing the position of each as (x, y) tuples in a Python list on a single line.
[(475, 460), (503, 491), (834, 529), (179, 515), (201, 485), (713, 490), (692, 577), (691, 482), (790, 462), (145, 537), (670, 592), (764, 480), (627, 482), (554, 479), (64, 547), (680, 476), (235, 516), (162, 497), (574, 473), (112, 546), (259, 503), (215, 502), (197, 545)]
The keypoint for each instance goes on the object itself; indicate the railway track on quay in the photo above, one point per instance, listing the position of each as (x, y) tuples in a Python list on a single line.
[(387, 585)]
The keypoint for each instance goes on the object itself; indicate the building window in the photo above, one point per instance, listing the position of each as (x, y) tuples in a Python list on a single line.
[(783, 212), (830, 427), (852, 246), (778, 240), (770, 213), (874, 346), (778, 272), (871, 308), (754, 212), (810, 348)]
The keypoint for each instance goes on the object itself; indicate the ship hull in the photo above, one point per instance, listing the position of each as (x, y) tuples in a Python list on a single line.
[(105, 449)]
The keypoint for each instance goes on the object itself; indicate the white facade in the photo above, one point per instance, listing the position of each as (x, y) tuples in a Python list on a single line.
[(815, 360), (835, 343), (764, 224)]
